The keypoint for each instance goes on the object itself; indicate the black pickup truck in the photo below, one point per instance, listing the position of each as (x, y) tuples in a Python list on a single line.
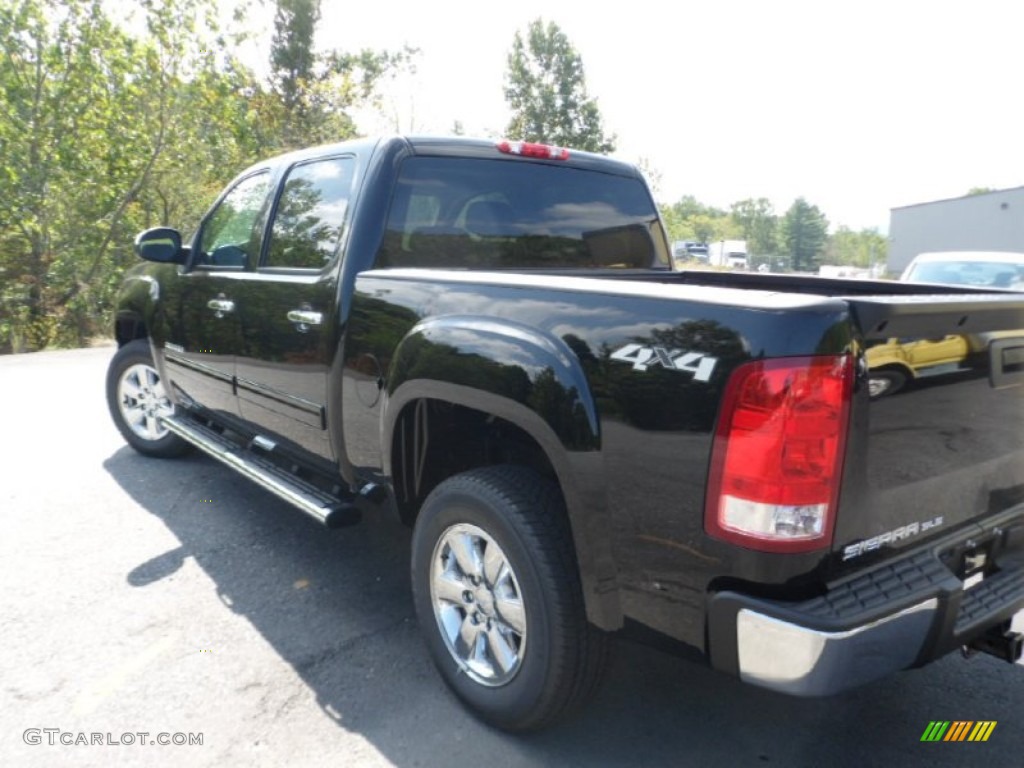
[(488, 339)]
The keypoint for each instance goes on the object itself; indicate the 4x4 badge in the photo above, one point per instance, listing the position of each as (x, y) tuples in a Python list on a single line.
[(697, 363)]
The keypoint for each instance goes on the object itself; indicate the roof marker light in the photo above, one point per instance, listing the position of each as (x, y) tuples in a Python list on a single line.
[(538, 151)]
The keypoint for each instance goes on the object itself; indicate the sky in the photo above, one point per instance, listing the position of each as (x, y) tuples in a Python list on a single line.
[(856, 106)]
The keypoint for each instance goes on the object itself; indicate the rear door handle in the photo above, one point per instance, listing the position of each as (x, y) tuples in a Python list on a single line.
[(221, 306), (304, 319)]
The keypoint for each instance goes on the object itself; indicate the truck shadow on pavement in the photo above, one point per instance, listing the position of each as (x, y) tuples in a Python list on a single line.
[(336, 606)]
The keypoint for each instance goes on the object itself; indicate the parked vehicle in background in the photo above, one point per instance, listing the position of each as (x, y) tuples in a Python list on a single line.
[(897, 361), (728, 253), (688, 250), (698, 251), (988, 269)]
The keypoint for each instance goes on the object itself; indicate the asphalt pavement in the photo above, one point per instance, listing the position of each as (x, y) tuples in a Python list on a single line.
[(175, 599)]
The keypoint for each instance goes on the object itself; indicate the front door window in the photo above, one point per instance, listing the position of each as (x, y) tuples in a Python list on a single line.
[(230, 236)]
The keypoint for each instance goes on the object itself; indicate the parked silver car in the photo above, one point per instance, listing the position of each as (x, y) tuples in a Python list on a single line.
[(994, 269)]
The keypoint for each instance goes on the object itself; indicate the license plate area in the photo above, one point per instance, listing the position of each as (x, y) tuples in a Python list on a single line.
[(971, 562), (975, 563)]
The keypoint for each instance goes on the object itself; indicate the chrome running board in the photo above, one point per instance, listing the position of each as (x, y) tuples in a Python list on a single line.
[(329, 510)]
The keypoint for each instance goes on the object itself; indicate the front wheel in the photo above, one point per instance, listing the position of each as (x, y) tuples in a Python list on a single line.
[(888, 381), (137, 400), (498, 597)]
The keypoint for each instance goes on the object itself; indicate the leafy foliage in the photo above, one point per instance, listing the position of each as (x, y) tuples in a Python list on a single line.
[(799, 240), (858, 249), (689, 219), (292, 58), (312, 93), (86, 121), (546, 89), (759, 224), (104, 132)]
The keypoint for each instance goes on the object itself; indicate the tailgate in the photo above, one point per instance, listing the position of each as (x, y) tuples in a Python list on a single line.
[(943, 449)]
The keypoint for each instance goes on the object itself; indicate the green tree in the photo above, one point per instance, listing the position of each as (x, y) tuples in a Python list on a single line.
[(757, 221), (104, 132), (718, 228), (689, 219), (858, 249), (313, 93), (677, 227), (82, 130), (689, 206), (292, 59), (546, 90), (295, 74), (804, 233)]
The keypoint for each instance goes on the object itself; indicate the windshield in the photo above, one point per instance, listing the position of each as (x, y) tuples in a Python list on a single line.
[(994, 274), (497, 214)]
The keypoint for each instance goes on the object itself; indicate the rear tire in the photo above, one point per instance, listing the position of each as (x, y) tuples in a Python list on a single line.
[(498, 597), (136, 398)]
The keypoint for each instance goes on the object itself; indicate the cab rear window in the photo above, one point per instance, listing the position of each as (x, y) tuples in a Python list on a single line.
[(464, 213)]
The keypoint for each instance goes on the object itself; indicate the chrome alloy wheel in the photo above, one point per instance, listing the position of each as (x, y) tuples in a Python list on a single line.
[(142, 400), (478, 605), (878, 387)]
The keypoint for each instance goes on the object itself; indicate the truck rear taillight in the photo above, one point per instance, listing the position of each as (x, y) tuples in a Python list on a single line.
[(777, 457), (527, 149)]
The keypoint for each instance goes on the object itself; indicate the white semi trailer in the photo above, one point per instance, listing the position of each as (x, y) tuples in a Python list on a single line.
[(728, 253)]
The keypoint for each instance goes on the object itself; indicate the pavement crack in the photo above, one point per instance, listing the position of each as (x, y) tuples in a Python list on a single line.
[(312, 661)]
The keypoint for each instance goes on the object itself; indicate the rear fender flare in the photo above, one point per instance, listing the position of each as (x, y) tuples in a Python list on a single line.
[(531, 380)]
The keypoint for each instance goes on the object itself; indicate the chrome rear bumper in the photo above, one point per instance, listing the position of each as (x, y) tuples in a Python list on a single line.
[(895, 614), (805, 662)]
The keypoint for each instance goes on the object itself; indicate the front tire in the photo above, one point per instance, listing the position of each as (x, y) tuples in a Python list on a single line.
[(498, 597), (887, 381), (136, 398)]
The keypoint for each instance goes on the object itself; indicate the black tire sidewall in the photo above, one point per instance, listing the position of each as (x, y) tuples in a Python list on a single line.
[(134, 353), (513, 702)]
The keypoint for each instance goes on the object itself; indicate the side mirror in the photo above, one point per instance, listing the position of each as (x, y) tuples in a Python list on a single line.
[(160, 244)]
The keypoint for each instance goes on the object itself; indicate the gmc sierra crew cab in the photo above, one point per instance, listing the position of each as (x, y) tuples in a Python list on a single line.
[(489, 340)]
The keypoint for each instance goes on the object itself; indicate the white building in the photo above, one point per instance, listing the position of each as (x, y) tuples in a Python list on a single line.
[(992, 221)]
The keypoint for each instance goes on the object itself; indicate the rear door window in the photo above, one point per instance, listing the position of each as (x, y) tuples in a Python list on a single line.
[(311, 214)]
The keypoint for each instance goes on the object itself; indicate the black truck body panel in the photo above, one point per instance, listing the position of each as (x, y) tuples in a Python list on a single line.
[(629, 443)]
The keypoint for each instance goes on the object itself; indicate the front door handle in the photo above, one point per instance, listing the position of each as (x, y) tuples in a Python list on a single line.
[(221, 306), (304, 319)]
